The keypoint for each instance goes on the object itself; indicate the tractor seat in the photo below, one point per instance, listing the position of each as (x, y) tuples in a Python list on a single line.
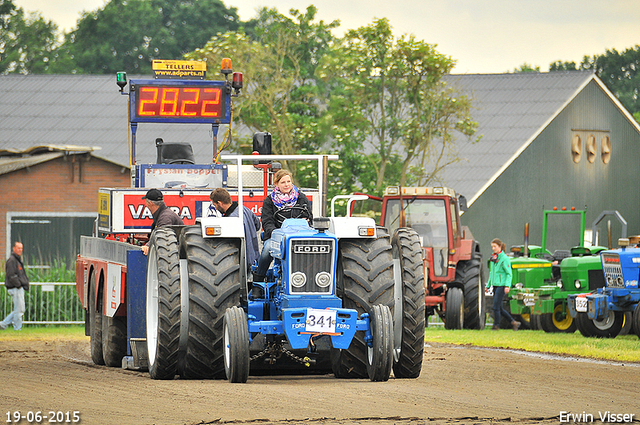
[(174, 153)]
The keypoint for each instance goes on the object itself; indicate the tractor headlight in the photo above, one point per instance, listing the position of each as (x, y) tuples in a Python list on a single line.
[(559, 284), (323, 279), (620, 281), (298, 279), (577, 284)]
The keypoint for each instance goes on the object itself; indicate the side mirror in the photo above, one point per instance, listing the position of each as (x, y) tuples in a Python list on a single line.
[(462, 201)]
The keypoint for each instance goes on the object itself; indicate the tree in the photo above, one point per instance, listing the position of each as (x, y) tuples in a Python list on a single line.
[(562, 66), (26, 43), (278, 61), (525, 67), (621, 74), (390, 110), (126, 35)]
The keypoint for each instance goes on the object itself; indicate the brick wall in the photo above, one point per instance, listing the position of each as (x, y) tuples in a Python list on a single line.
[(69, 183)]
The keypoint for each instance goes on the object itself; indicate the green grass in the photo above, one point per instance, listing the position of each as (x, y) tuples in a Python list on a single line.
[(44, 333), (622, 348)]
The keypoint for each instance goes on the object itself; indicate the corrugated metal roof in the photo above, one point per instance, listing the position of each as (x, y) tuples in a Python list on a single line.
[(511, 109), (15, 159), (85, 110), (88, 110)]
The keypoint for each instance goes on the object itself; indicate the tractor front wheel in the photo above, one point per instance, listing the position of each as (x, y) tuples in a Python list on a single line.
[(558, 321), (380, 351), (236, 345), (454, 309), (636, 320), (608, 327)]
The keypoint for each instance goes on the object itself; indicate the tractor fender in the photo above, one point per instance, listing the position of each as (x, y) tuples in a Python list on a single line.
[(597, 306)]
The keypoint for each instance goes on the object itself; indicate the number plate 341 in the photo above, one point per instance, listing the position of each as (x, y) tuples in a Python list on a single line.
[(321, 321)]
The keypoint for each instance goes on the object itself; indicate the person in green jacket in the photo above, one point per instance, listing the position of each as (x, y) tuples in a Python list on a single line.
[(500, 278)]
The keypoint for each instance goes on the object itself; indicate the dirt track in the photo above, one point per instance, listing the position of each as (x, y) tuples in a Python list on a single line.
[(458, 385)]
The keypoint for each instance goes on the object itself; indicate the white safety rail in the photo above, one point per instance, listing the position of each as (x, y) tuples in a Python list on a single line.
[(47, 303)]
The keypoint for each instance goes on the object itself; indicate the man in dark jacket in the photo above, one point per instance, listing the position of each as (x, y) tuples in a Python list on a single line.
[(221, 200), (162, 215), (16, 282)]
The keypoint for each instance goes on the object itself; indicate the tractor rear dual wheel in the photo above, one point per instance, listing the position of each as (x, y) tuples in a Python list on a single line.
[(114, 340), (163, 304), (214, 286), (364, 279), (409, 320)]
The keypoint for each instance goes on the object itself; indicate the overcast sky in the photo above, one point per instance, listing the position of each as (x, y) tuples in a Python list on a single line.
[(483, 36)]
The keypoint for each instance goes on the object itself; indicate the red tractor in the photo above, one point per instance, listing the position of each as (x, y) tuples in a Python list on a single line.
[(454, 287)]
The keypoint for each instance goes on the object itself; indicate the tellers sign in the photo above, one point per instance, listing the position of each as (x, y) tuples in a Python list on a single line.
[(188, 101)]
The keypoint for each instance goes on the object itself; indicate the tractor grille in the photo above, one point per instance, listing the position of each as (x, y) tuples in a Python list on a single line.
[(612, 270), (313, 259)]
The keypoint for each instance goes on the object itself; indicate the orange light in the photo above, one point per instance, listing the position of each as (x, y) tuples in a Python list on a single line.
[(573, 208), (226, 67), (555, 208), (564, 208)]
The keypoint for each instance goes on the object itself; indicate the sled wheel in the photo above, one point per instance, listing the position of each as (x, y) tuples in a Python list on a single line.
[(95, 321)]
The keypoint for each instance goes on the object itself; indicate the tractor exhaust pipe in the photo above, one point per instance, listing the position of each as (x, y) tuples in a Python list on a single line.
[(526, 239)]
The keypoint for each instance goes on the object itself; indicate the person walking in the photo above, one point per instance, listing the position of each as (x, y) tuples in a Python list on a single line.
[(162, 215), (285, 201), (221, 200), (16, 282), (500, 276)]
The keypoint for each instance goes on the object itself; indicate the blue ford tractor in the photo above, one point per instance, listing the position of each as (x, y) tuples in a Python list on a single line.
[(601, 313)]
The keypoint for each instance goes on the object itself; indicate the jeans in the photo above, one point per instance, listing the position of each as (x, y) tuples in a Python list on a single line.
[(498, 308), (264, 261), (15, 316)]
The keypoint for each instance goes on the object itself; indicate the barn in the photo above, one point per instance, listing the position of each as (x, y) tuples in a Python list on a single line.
[(548, 140)]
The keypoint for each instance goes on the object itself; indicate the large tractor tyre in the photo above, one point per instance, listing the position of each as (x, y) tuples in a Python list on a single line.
[(95, 321), (364, 279), (558, 321), (236, 345), (409, 320), (214, 286), (469, 275), (627, 323), (380, 353), (608, 327), (636, 320), (114, 340), (454, 309), (163, 304)]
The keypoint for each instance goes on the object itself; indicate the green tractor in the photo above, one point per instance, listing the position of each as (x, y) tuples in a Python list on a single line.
[(542, 280)]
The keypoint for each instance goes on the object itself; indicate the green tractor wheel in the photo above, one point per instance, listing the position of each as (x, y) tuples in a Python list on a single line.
[(559, 320)]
